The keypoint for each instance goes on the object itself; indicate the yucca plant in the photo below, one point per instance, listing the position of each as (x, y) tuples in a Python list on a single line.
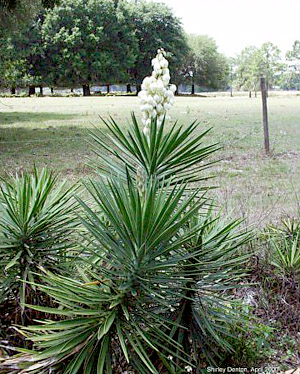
[(37, 222), (177, 155), (287, 256), (159, 281), (285, 248), (152, 293), (280, 275)]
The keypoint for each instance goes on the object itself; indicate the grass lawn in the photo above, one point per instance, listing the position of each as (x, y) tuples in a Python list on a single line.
[(54, 131)]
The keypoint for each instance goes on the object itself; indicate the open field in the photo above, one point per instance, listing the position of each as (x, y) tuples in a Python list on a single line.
[(53, 131)]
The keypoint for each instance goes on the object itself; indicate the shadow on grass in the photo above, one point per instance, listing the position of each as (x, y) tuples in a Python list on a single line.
[(58, 140), (12, 117), (64, 149), (51, 136)]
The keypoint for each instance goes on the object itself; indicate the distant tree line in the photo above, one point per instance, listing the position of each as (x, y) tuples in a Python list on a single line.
[(73, 43), (253, 63)]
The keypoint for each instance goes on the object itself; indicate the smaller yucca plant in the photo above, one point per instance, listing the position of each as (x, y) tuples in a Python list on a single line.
[(281, 276), (285, 248), (37, 221)]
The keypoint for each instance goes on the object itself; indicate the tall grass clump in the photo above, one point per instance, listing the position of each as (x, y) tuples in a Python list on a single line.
[(151, 294)]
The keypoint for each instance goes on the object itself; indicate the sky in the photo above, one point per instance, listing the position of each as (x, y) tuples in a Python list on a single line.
[(236, 24)]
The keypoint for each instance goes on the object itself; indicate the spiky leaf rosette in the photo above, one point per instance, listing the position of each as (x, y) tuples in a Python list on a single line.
[(215, 264), (178, 155), (285, 248), (37, 223), (127, 296), (133, 301)]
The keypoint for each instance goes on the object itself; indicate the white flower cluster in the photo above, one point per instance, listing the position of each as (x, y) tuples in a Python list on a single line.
[(157, 96)]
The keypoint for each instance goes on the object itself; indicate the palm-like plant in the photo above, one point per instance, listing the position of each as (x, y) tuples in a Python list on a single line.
[(133, 285), (162, 266), (176, 155), (154, 285), (285, 248), (37, 222)]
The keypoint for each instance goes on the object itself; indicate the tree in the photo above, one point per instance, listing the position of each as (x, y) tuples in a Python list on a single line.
[(23, 61), (88, 41), (204, 65), (253, 63), (12, 67), (24, 57), (155, 26), (293, 70), (269, 64), (232, 73), (245, 78)]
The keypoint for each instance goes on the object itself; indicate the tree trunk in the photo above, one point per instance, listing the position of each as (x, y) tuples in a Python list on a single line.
[(138, 88), (52, 90), (108, 88), (41, 90), (128, 88), (72, 90), (255, 93), (193, 89), (13, 90), (250, 94), (86, 90), (31, 90)]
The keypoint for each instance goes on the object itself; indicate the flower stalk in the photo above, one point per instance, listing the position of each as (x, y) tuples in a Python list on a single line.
[(157, 95)]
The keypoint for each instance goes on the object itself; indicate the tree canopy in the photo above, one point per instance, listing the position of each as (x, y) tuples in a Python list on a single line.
[(155, 26), (95, 41), (292, 74), (204, 65), (253, 63), (84, 42), (17, 13), (88, 41)]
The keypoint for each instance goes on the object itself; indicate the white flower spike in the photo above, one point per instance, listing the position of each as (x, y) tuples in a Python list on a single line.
[(157, 95)]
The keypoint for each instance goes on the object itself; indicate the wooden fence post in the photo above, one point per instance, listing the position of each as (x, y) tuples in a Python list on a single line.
[(265, 114)]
